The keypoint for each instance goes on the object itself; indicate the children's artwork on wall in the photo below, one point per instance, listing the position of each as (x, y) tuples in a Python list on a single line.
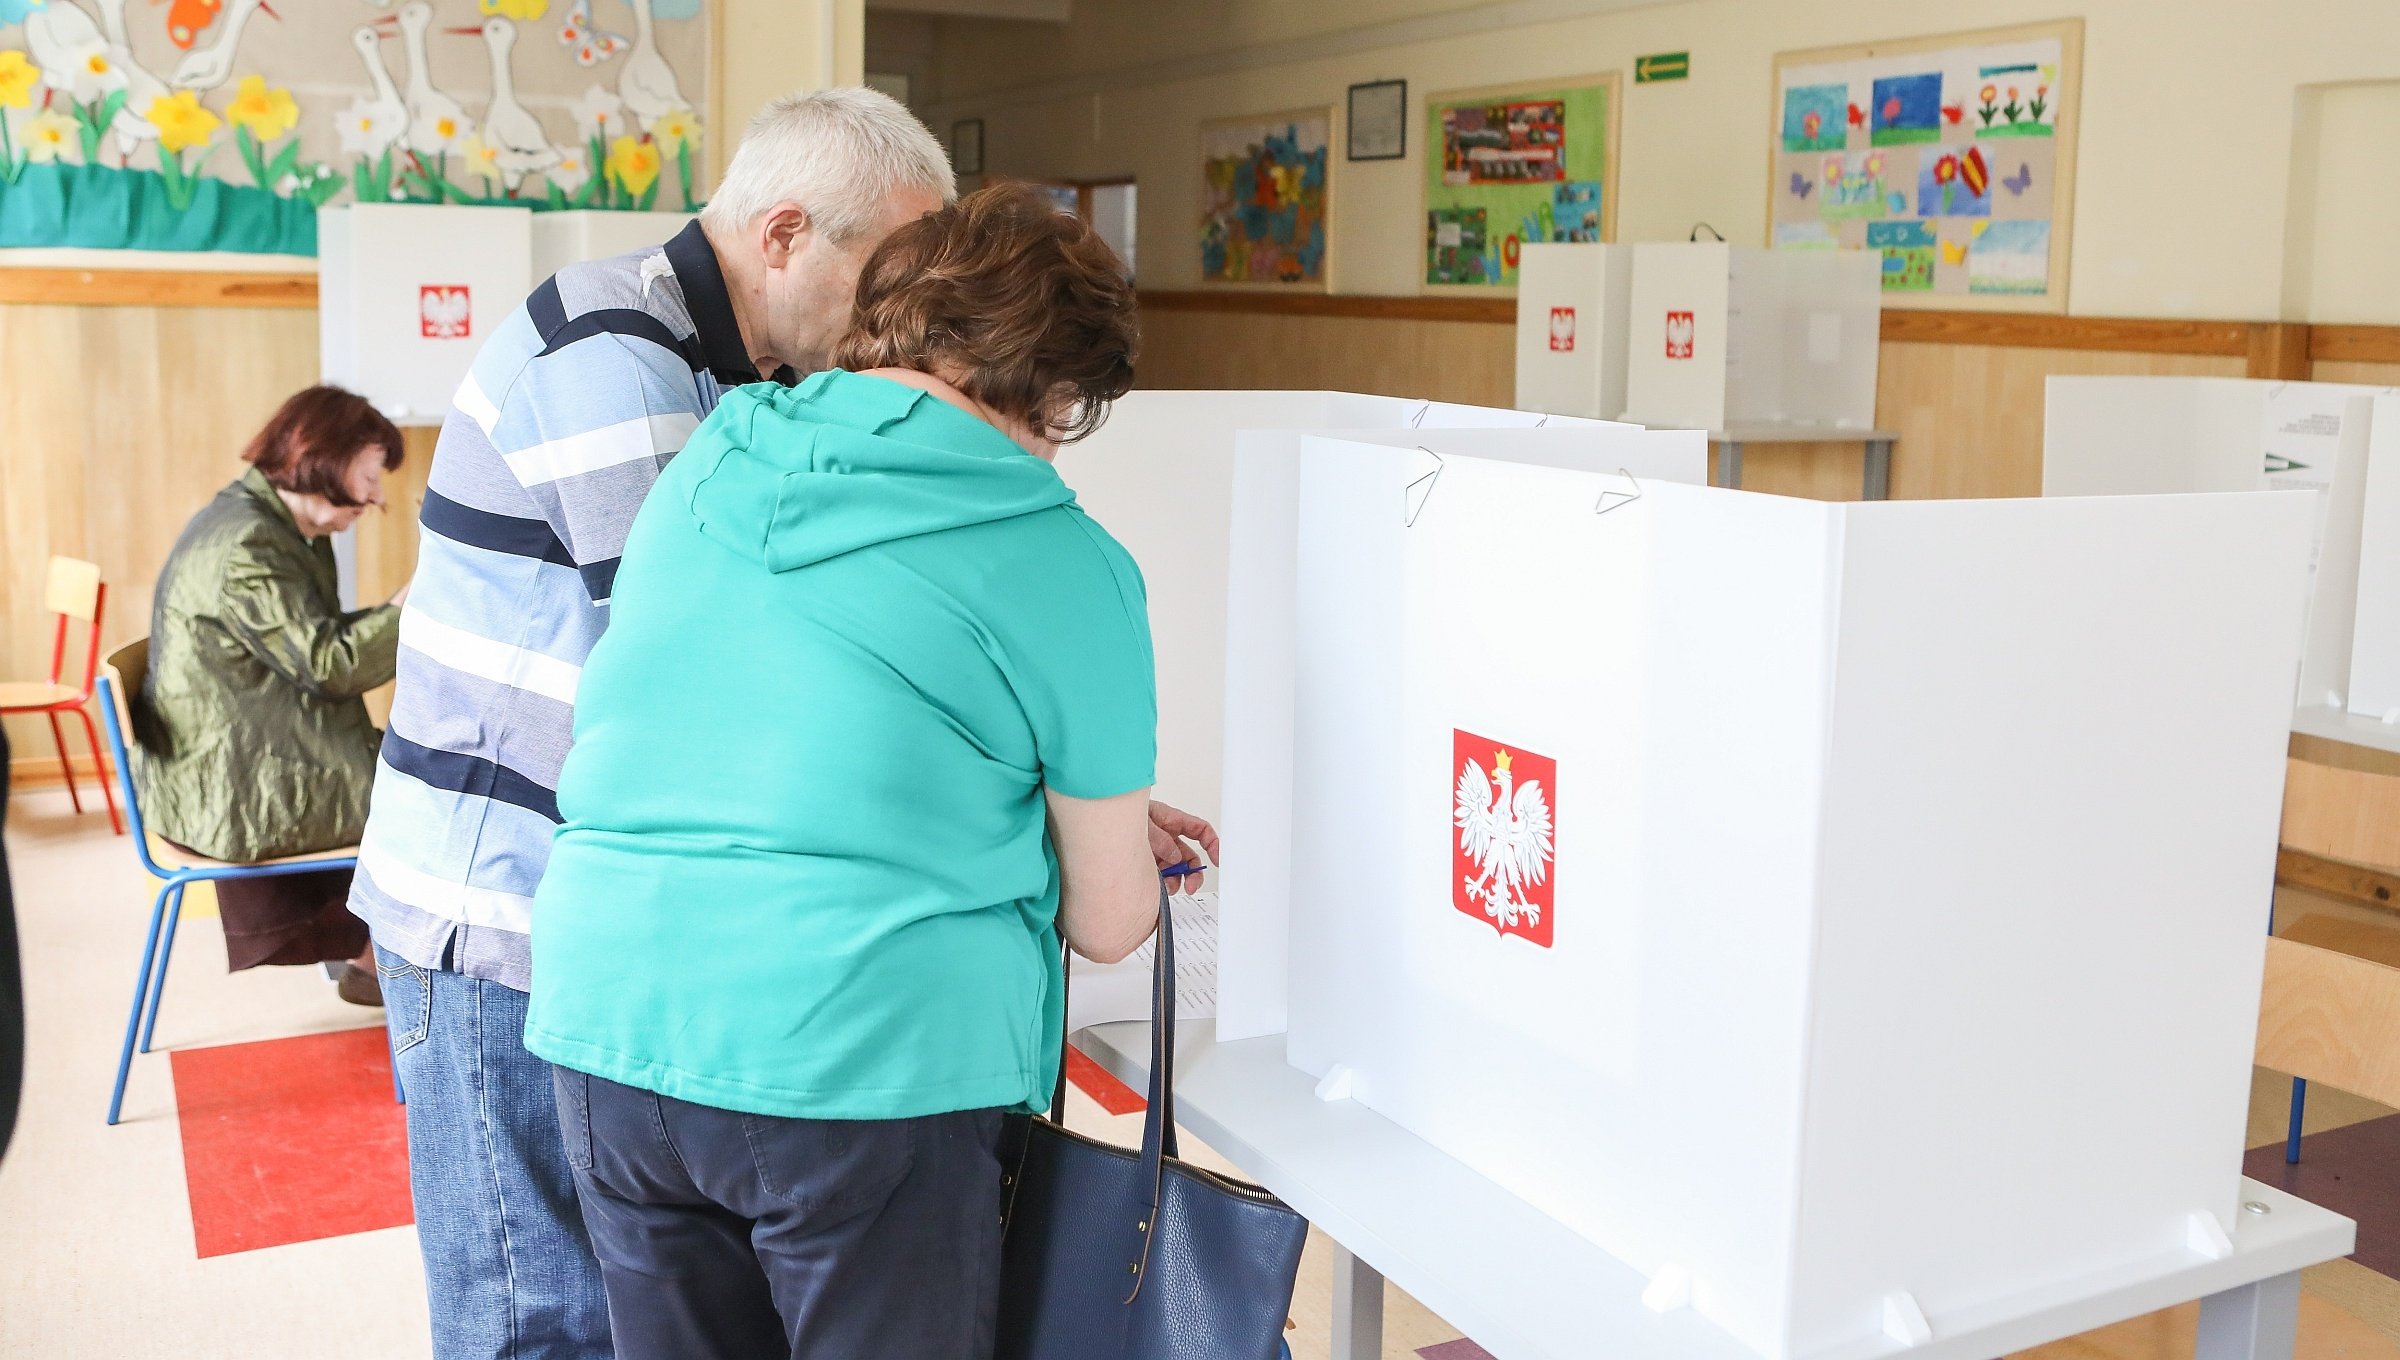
[(222, 125), (1952, 155), (1264, 198), (1505, 167)]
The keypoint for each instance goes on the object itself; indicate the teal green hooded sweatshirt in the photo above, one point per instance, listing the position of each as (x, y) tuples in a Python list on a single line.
[(805, 868)]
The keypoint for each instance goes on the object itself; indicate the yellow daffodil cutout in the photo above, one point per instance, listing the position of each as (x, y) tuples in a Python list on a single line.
[(266, 113), (524, 11), (17, 79), (633, 164), (676, 128), (47, 135), (482, 157), (182, 124)]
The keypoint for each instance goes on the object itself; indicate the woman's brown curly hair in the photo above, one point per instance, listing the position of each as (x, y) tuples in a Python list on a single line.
[(1017, 304)]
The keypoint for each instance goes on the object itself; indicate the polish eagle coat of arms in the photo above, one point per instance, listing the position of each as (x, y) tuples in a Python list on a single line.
[(1502, 859)]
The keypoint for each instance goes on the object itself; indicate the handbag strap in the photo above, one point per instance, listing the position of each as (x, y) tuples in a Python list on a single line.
[(1158, 1122)]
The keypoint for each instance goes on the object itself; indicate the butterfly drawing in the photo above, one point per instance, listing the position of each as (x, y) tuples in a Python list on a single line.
[(1954, 112), (1801, 184), (186, 19), (591, 43), (1858, 116), (2018, 182), (1954, 252)]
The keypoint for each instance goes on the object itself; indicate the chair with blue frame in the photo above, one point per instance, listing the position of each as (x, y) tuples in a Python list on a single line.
[(176, 869)]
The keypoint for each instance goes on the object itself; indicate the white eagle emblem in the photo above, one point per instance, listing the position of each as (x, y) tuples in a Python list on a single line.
[(1680, 330), (1505, 828), (444, 312)]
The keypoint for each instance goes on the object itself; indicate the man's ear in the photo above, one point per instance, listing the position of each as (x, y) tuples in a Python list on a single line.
[(783, 234)]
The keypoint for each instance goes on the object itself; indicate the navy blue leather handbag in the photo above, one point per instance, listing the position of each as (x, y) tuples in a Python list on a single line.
[(1116, 1254)]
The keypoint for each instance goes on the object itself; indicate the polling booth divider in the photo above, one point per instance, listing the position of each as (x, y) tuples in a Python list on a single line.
[(2160, 435), (1759, 886)]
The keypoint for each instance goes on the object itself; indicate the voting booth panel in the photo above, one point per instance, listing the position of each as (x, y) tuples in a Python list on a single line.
[(408, 292), (1766, 888), (1260, 656), (1572, 300), (2375, 638), (1721, 337), (564, 238), (2155, 436), (1159, 475)]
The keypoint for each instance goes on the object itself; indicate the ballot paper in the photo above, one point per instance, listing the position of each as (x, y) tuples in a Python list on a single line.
[(1106, 992)]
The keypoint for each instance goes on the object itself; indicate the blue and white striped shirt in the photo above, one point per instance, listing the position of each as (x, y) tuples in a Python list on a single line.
[(562, 425)]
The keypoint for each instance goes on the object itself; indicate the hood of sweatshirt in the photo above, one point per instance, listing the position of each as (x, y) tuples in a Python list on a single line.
[(794, 476)]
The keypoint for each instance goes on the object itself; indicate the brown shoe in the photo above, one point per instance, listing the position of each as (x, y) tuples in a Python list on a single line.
[(358, 986)]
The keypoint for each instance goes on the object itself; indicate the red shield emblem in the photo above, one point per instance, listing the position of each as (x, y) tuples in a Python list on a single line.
[(444, 312), (1679, 335), (1562, 330), (1501, 858)]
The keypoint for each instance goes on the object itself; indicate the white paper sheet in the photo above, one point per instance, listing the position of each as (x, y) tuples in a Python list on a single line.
[(1108, 992)]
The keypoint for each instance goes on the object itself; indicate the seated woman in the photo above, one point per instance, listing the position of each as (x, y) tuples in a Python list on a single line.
[(256, 740), (873, 724)]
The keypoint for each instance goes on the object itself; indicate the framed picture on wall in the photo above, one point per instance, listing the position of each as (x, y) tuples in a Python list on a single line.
[(1265, 192), (966, 146), (1513, 164), (1952, 156), (1378, 122)]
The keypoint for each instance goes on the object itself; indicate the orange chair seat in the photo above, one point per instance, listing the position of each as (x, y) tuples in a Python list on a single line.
[(34, 695)]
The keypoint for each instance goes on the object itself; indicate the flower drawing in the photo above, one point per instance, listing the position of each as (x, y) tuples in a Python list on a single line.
[(676, 128), (17, 79), (48, 135), (264, 113), (181, 122), (633, 163), (369, 129)]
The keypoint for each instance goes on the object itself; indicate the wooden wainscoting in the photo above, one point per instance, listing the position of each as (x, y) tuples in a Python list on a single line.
[(122, 421)]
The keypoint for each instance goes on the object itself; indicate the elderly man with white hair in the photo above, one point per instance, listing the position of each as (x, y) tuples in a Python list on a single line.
[(564, 422)]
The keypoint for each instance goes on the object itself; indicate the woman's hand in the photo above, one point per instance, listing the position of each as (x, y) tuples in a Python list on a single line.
[(1172, 834)]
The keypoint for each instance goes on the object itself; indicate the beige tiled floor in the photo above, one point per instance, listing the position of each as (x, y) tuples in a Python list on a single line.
[(96, 1254)]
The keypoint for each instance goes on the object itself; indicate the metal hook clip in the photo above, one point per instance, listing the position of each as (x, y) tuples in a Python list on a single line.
[(1408, 510), (1617, 500), (1417, 421), (1542, 424)]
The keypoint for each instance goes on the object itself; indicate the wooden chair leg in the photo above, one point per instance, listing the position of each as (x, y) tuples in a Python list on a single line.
[(66, 764)]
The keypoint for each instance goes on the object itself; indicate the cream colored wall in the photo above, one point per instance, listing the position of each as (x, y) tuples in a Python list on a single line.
[(769, 48), (2345, 198), (2186, 147)]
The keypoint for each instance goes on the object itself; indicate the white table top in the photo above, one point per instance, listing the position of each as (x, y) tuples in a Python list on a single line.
[(1462, 1246), (2336, 724), (1793, 432)]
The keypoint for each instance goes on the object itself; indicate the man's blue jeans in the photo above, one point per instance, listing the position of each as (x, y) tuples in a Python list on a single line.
[(508, 1267)]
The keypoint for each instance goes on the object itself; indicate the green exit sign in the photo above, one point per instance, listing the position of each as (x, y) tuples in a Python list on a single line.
[(1661, 66)]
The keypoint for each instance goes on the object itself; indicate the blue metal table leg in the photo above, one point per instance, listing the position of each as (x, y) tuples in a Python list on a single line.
[(2291, 1141)]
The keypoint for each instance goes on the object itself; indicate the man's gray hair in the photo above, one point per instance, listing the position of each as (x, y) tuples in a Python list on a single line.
[(839, 154)]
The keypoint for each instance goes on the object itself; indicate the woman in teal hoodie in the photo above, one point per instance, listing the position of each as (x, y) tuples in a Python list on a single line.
[(872, 726)]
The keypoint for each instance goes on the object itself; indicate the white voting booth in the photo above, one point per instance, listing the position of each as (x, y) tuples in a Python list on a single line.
[(1825, 854), (2151, 436), (408, 292), (564, 238), (2375, 638), (1722, 337), (1572, 310)]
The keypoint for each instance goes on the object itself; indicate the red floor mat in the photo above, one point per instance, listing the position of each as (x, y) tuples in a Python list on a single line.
[(1102, 1085), (291, 1140)]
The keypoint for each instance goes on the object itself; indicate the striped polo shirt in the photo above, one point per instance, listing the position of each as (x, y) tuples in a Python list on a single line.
[(562, 425)]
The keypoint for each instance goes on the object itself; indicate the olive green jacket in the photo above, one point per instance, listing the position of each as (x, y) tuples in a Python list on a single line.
[(255, 738)]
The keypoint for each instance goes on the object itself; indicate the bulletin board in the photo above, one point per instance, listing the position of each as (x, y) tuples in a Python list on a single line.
[(1954, 156), (1266, 189), (1515, 164), (223, 125)]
